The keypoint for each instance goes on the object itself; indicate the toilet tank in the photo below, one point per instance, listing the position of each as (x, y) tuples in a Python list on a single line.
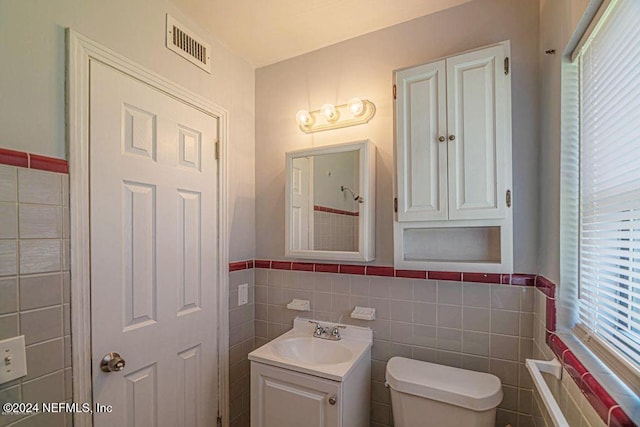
[(427, 395)]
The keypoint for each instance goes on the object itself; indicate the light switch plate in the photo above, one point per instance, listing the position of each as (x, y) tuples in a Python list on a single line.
[(13, 359), (243, 294)]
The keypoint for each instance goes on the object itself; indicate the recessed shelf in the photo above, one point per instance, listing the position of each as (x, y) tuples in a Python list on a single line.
[(453, 244)]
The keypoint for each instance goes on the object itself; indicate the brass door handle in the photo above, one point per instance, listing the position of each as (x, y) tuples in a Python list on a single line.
[(112, 362)]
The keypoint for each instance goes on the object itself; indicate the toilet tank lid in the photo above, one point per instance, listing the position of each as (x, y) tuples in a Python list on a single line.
[(468, 389)]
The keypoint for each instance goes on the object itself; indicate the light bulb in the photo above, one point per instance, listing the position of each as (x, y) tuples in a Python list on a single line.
[(356, 106), (304, 118), (329, 112)]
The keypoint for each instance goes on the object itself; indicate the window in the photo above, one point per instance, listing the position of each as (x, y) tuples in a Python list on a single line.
[(609, 207)]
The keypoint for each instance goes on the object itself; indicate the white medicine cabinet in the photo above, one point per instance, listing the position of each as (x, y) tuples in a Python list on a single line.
[(330, 202), (453, 163)]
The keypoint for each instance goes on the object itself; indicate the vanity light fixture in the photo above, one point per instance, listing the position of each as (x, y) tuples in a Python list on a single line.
[(357, 111), (330, 113)]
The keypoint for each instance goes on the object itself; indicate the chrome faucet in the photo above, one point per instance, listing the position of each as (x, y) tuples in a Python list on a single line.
[(319, 331), (327, 333), (335, 332)]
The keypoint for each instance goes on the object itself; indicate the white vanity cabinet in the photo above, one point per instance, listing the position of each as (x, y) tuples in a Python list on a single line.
[(299, 380), (285, 398), (453, 161)]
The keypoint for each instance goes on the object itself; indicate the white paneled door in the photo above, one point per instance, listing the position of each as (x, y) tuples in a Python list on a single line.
[(302, 204), (153, 192)]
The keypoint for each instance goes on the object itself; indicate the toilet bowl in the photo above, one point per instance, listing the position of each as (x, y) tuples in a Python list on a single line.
[(426, 394)]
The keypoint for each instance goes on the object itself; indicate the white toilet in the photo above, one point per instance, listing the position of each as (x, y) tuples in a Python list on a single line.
[(429, 395)]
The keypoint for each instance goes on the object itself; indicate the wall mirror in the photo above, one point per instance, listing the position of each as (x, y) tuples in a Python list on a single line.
[(330, 202)]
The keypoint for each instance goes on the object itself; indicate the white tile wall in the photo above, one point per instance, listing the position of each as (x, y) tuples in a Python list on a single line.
[(35, 286), (40, 222), (475, 326), (8, 183), (39, 187), (9, 292), (9, 217), (241, 343), (40, 256), (8, 257)]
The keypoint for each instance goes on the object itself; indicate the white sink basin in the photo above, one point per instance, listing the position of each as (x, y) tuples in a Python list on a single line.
[(298, 350), (312, 350)]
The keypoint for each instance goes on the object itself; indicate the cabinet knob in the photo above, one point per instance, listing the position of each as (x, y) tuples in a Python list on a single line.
[(441, 139), (452, 137), (332, 400)]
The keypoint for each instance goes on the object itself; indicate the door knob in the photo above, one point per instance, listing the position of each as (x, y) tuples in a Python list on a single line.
[(112, 362), (452, 137), (332, 400), (441, 139)]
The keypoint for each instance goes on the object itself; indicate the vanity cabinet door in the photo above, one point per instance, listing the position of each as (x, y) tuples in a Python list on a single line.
[(282, 398), (454, 138), (479, 131), (422, 147)]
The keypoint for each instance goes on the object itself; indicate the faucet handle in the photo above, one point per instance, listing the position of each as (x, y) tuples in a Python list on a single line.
[(319, 329), (335, 332)]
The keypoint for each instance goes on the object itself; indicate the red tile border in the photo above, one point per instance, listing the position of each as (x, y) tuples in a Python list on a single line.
[(445, 275), (352, 269), (546, 286), (618, 418), (302, 266), (373, 270), (411, 274), (601, 401), (523, 279), (327, 268), (335, 211), (281, 265), (482, 277), (261, 263), (33, 161), (237, 266), (14, 158), (557, 346), (574, 367), (517, 279), (48, 164), (551, 315)]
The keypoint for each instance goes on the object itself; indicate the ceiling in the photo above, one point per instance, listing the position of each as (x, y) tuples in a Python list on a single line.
[(267, 31)]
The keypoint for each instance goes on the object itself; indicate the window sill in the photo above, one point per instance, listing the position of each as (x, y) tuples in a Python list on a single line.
[(612, 399)]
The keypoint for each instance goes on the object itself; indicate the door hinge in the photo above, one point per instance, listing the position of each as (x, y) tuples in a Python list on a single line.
[(395, 204), (395, 91), (217, 151), (219, 422), (508, 198), (506, 65)]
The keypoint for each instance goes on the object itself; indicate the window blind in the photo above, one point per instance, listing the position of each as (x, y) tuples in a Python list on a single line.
[(610, 180)]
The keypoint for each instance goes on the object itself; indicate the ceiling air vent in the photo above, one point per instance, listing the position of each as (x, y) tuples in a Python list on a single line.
[(187, 44)]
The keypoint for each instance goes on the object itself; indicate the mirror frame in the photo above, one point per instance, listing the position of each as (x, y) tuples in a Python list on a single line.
[(366, 224)]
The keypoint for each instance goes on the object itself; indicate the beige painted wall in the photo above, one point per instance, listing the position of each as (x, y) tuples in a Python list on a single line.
[(558, 21), (363, 67), (32, 109)]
